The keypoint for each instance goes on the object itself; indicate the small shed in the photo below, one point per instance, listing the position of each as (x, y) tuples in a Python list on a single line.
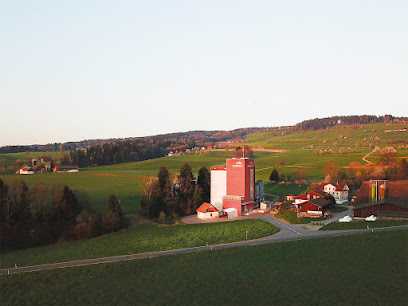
[(231, 213)]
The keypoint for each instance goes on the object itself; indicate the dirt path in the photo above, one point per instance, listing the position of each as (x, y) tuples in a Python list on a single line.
[(367, 155)]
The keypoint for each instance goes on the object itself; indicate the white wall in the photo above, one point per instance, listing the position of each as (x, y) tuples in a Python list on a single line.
[(207, 215), (218, 187)]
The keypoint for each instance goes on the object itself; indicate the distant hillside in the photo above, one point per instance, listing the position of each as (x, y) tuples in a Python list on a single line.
[(161, 144), (184, 139), (323, 123)]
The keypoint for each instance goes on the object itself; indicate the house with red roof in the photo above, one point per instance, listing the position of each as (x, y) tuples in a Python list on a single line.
[(26, 170), (314, 208), (207, 211)]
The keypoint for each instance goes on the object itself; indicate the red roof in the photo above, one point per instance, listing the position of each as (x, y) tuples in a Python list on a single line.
[(219, 167), (207, 207)]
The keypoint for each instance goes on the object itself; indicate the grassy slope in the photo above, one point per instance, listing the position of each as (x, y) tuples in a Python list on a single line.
[(305, 157), (283, 189), (362, 224), (370, 269), (144, 238), (127, 180), (290, 217), (124, 180)]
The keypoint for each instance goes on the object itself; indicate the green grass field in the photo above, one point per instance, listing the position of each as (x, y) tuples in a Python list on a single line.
[(367, 269), (144, 238), (290, 217), (361, 224), (283, 189), (127, 181)]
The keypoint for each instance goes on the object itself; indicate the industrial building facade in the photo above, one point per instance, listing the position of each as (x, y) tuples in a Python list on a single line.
[(233, 187)]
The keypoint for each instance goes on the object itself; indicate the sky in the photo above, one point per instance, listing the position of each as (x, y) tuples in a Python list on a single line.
[(75, 70)]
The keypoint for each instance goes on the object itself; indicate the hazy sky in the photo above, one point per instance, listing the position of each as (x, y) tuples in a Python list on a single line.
[(74, 70)]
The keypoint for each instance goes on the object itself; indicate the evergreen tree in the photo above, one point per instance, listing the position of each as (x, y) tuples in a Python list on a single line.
[(186, 189), (113, 220), (113, 205), (163, 177), (197, 198), (274, 177), (204, 182)]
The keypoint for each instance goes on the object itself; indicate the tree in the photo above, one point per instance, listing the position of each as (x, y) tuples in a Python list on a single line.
[(4, 211), (387, 159), (163, 176), (113, 205), (204, 182), (238, 153), (186, 188), (113, 220), (303, 175), (274, 177), (403, 170), (331, 169), (282, 177)]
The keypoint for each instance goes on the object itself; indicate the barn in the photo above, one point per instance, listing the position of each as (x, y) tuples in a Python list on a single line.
[(313, 208), (383, 199)]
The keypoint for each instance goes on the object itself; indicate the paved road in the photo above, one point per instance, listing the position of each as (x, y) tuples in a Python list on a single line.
[(288, 232)]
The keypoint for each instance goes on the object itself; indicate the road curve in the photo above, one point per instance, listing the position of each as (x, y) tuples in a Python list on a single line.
[(287, 232)]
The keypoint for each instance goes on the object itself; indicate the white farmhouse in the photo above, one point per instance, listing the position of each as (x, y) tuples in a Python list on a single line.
[(340, 192)]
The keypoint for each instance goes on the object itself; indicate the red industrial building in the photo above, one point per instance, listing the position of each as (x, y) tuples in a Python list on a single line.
[(233, 187), (240, 185)]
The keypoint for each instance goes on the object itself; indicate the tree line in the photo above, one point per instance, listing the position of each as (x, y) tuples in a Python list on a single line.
[(391, 168), (169, 197), (170, 142), (42, 214), (323, 123)]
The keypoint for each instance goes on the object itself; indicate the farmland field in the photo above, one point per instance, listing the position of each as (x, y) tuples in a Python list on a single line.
[(127, 180), (361, 224), (144, 238), (366, 269)]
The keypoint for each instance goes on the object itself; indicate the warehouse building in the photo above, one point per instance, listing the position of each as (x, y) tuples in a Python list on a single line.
[(383, 199)]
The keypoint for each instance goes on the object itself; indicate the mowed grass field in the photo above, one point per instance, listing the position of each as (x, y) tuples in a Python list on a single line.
[(366, 269), (361, 224), (127, 181), (144, 238)]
